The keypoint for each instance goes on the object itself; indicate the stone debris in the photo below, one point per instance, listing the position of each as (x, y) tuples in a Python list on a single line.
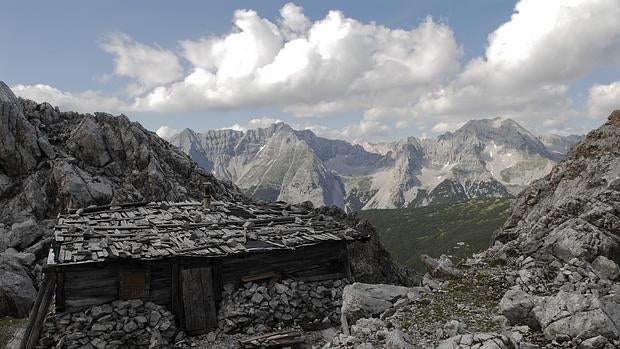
[(120, 324), (259, 307)]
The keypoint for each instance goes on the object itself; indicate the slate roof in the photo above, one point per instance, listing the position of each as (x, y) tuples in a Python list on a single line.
[(165, 229)]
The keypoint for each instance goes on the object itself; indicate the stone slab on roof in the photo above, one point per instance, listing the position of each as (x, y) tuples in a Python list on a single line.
[(165, 229)]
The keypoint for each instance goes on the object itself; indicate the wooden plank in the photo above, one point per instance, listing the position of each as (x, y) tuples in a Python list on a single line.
[(60, 291), (39, 312), (260, 276)]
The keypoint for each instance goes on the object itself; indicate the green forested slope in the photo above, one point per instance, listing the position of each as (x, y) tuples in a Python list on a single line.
[(457, 230)]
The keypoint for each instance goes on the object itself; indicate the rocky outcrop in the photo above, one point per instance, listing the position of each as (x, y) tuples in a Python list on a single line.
[(370, 261), (563, 240), (551, 278), (51, 161), (19, 145)]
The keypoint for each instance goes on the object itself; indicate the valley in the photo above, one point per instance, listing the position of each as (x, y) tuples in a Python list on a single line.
[(457, 230)]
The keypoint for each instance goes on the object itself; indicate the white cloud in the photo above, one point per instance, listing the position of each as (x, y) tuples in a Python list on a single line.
[(443, 126), (166, 132), (149, 65), (259, 122), (85, 102), (365, 130), (294, 23), (528, 65), (329, 66), (603, 99)]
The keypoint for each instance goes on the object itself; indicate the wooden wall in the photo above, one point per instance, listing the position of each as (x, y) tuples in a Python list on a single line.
[(83, 286), (328, 259), (79, 287), (86, 286)]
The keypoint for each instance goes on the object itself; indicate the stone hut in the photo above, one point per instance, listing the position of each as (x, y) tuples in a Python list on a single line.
[(180, 255)]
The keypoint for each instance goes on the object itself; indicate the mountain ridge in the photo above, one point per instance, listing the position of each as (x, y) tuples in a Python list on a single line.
[(483, 158)]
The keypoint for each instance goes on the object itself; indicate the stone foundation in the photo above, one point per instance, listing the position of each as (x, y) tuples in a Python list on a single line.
[(258, 307), (120, 324)]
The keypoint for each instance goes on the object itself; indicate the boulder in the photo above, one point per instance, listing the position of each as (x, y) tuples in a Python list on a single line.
[(597, 342), (606, 268), (397, 339), (516, 306), (361, 300), (22, 235), (17, 293), (441, 268), (578, 315)]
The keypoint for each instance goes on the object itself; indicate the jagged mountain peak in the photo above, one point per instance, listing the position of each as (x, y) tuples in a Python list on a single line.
[(483, 158)]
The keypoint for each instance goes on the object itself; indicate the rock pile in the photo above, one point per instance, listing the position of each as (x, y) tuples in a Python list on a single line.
[(258, 307), (120, 324)]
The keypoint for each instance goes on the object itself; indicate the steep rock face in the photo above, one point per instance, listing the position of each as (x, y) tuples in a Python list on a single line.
[(563, 238), (273, 163), (484, 158), (19, 146)]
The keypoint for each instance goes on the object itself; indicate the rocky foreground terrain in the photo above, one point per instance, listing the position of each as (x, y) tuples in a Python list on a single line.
[(482, 159), (51, 161), (551, 279)]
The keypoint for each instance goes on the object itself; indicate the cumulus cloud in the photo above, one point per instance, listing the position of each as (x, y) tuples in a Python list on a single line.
[(603, 99), (149, 65), (394, 78), (529, 64), (329, 66), (444, 126), (166, 132), (85, 101), (260, 122), (364, 130)]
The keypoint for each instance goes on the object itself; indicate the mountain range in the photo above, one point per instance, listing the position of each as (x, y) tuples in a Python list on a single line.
[(484, 158)]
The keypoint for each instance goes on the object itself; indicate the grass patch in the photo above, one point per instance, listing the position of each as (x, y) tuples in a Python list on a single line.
[(8, 326)]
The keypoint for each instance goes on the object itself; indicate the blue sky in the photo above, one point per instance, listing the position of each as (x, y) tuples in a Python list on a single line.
[(57, 50)]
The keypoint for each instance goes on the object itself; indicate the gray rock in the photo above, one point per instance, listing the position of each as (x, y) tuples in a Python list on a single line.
[(442, 268), (130, 327), (22, 234), (577, 316), (606, 268), (397, 339), (88, 144), (597, 342), (369, 300), (516, 306), (17, 293)]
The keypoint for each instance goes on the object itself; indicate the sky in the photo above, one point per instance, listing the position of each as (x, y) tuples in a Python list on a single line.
[(355, 70)]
